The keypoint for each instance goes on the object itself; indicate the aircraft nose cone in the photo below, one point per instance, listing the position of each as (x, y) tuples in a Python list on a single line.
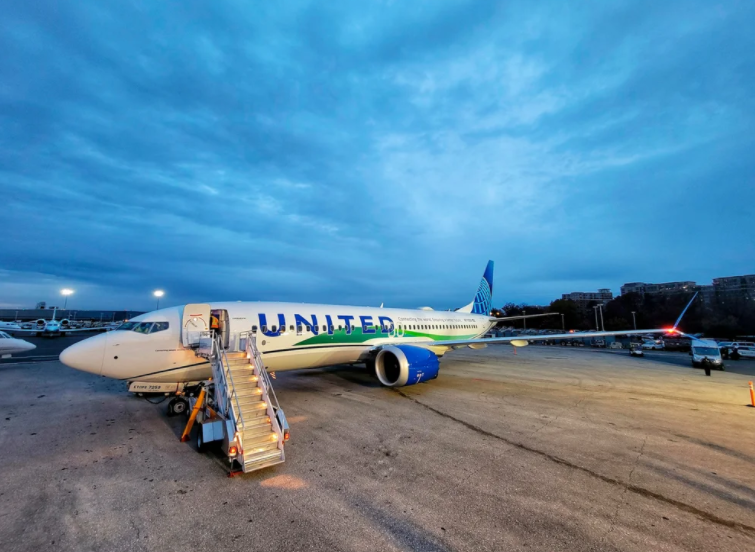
[(29, 346), (85, 355)]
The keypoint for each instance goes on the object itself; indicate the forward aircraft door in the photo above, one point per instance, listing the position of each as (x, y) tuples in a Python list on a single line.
[(196, 319)]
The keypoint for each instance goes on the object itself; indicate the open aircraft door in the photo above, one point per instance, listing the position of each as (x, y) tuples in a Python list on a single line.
[(196, 320)]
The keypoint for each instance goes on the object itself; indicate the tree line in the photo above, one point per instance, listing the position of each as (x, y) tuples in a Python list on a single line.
[(725, 315)]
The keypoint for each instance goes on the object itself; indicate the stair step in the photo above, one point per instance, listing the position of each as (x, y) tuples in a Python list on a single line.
[(259, 461), (236, 355), (257, 450), (253, 409), (256, 424), (247, 388), (244, 398), (239, 372), (257, 432), (254, 442)]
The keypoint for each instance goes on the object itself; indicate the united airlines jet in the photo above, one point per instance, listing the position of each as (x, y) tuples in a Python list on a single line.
[(401, 346)]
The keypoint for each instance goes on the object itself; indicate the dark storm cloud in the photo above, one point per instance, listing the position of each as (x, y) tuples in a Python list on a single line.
[(371, 153)]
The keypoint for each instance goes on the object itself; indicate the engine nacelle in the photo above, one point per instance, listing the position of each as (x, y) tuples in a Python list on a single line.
[(65, 323), (399, 365), (40, 323)]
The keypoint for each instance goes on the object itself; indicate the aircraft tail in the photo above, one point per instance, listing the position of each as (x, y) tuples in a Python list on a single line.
[(483, 299)]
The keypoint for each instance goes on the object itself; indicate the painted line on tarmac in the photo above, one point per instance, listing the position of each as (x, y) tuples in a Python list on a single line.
[(748, 529), (28, 360)]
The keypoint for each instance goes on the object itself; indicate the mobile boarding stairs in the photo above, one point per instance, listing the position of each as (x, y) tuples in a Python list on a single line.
[(238, 407)]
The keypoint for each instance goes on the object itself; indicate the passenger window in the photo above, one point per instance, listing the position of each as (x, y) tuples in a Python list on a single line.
[(309, 328), (254, 328), (159, 327), (298, 330), (273, 328), (291, 328), (325, 328), (331, 328), (339, 328), (264, 329)]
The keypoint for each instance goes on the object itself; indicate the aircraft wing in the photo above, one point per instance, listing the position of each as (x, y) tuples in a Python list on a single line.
[(523, 340), (62, 330), (523, 316)]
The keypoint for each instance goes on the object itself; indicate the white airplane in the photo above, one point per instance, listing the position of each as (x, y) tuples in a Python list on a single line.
[(10, 345), (53, 327), (401, 346), (9, 326)]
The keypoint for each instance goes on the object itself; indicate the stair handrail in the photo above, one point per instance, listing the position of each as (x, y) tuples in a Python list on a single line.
[(227, 375), (251, 344), (265, 383)]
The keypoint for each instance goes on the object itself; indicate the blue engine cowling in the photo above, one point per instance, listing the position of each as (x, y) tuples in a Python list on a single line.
[(399, 365)]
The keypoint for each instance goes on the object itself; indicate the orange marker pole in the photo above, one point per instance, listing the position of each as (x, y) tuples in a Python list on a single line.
[(752, 395), (194, 412), (514, 349)]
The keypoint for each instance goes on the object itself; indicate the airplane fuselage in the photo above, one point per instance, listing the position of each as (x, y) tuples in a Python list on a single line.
[(10, 345), (289, 335)]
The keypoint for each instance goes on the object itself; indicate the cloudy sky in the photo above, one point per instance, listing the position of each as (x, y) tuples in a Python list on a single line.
[(372, 152)]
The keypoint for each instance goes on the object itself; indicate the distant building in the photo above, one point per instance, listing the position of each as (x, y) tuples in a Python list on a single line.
[(734, 287), (41, 305), (583, 298), (731, 286), (669, 287)]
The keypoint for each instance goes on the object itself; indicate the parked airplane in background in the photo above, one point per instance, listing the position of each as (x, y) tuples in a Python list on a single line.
[(9, 326), (402, 346), (10, 345), (53, 327)]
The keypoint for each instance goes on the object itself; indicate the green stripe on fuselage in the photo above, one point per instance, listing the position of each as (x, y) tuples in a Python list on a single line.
[(358, 336)]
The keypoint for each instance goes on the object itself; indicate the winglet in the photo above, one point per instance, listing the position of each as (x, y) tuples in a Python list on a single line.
[(676, 324)]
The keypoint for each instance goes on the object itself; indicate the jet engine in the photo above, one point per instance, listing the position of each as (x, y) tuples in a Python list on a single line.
[(399, 365), (40, 323), (65, 323)]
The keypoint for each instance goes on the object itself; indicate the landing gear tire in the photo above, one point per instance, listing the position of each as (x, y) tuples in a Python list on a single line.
[(200, 440), (178, 405)]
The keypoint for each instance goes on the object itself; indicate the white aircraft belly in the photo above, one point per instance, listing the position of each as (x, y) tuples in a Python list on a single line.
[(200, 372), (315, 357)]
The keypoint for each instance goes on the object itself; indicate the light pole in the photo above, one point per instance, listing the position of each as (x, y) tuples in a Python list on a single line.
[(595, 310), (563, 326), (158, 293), (602, 324), (524, 313), (634, 319), (66, 292)]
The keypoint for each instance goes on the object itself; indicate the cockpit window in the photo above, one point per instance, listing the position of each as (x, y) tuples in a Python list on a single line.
[(127, 326), (159, 327), (4, 335), (143, 327)]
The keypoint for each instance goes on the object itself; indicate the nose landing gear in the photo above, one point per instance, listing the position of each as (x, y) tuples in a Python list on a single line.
[(177, 406)]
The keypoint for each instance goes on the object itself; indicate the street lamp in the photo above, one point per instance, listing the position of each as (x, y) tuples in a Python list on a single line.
[(158, 293), (563, 326), (634, 319), (66, 292)]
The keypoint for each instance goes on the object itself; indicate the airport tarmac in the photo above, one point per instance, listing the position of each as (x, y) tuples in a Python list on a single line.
[(553, 448)]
